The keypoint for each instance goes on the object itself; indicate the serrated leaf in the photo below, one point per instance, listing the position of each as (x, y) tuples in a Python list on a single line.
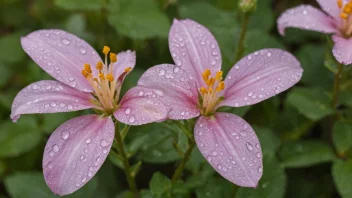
[(305, 153)]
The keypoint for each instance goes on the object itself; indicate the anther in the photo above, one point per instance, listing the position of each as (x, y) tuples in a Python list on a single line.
[(128, 69), (220, 87), (85, 74), (203, 90), (87, 68), (99, 65), (339, 3), (219, 75), (113, 57), (101, 76), (210, 82), (206, 74), (343, 15), (106, 50), (110, 77)]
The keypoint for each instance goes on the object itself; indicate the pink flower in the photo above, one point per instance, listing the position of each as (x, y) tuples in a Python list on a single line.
[(78, 148), (337, 21), (194, 87)]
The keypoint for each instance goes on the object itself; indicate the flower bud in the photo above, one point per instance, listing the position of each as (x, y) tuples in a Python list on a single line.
[(247, 6)]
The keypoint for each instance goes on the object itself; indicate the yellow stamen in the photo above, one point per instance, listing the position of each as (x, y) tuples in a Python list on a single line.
[(203, 90), (101, 76), (87, 68), (343, 15), (210, 90), (221, 86), (128, 69), (218, 75), (210, 82), (100, 65), (110, 77), (206, 74), (106, 50), (113, 57), (339, 3), (86, 74)]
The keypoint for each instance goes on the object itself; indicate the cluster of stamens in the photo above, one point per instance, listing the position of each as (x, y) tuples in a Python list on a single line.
[(345, 14), (211, 93), (106, 87)]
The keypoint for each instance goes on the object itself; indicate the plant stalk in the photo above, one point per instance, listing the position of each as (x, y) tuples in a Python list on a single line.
[(240, 48), (178, 172)]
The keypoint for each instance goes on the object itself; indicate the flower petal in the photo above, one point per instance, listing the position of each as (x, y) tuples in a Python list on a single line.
[(75, 152), (194, 48), (307, 18), (342, 49), (330, 7), (62, 55), (49, 96), (259, 76), (124, 60), (141, 105), (179, 90), (231, 147)]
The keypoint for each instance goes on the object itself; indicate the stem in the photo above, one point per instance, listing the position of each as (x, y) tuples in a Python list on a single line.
[(127, 168), (178, 172), (240, 48), (335, 98)]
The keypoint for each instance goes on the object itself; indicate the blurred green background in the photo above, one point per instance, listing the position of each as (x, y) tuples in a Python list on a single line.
[(301, 157)]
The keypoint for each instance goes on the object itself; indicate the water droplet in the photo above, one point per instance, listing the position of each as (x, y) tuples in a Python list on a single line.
[(104, 143), (176, 69), (84, 179), (249, 146), (162, 72), (258, 155), (214, 153), (56, 148), (268, 54), (82, 50), (51, 153), (219, 167), (128, 111), (65, 41), (243, 133), (140, 93), (132, 119), (65, 135), (257, 146), (69, 107), (78, 185), (250, 93), (178, 62), (82, 157), (88, 141), (260, 169)]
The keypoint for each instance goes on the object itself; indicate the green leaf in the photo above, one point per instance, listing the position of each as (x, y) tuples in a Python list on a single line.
[(268, 140), (138, 19), (80, 4), (311, 102), (215, 188), (5, 74), (272, 183), (146, 194), (32, 184), (10, 48), (54, 120), (264, 14), (18, 138), (305, 153), (135, 168), (342, 137), (312, 61), (160, 185), (76, 24), (342, 173)]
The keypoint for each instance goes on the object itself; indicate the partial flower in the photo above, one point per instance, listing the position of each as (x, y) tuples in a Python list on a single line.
[(77, 149), (336, 19), (195, 87)]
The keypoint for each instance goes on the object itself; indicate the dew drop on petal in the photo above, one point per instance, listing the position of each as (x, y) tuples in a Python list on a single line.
[(128, 111), (249, 146), (88, 141), (65, 41), (56, 148), (65, 135), (104, 143), (131, 119)]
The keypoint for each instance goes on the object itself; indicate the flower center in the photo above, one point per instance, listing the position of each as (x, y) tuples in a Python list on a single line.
[(106, 88), (211, 94), (346, 16)]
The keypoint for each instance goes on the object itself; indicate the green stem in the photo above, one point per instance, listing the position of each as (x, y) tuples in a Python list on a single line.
[(240, 48), (127, 167), (335, 97), (178, 172)]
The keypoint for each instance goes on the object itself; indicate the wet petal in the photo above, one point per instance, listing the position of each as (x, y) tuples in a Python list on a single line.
[(307, 18), (75, 152), (194, 48), (179, 90), (62, 55), (231, 147), (49, 96), (259, 76), (342, 49), (140, 106), (330, 7), (124, 60)]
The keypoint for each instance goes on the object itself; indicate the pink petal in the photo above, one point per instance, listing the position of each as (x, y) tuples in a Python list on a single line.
[(62, 55), (342, 49), (179, 90), (259, 76), (330, 7), (140, 106), (75, 152), (49, 96), (194, 48), (231, 147), (124, 60), (307, 18)]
